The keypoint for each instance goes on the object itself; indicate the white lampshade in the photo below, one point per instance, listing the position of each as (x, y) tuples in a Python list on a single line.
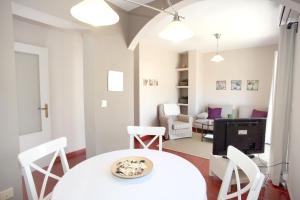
[(95, 13), (176, 32), (217, 58)]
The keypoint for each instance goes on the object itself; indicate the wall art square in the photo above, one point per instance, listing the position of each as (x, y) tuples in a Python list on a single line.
[(236, 85), (115, 81), (252, 85), (221, 85)]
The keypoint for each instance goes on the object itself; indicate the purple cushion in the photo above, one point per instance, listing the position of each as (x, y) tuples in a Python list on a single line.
[(259, 114), (214, 113)]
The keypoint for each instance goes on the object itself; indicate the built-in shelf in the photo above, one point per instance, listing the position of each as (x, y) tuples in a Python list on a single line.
[(182, 86), (183, 104), (182, 69), (183, 82)]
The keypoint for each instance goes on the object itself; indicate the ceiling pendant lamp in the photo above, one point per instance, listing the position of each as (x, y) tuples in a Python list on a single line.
[(176, 31), (217, 58), (95, 13)]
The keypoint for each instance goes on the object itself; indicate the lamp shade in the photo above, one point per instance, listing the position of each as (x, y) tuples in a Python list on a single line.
[(176, 32), (217, 58), (95, 13)]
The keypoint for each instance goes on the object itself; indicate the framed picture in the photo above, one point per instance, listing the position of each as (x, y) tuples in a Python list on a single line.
[(236, 85), (115, 81), (252, 85), (221, 85)]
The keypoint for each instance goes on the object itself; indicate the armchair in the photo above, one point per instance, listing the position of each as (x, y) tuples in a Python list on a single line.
[(177, 125)]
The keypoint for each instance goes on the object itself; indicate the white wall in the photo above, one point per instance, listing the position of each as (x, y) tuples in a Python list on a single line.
[(160, 64), (65, 76), (294, 159), (242, 64), (106, 49), (9, 147)]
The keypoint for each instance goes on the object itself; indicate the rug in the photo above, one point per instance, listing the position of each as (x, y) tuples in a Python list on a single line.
[(193, 146)]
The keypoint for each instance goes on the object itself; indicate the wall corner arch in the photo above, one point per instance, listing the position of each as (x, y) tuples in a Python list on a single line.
[(151, 23)]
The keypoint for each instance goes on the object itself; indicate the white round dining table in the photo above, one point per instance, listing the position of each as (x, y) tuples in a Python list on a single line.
[(172, 178)]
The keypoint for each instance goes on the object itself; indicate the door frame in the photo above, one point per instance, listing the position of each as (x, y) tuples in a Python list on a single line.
[(36, 138)]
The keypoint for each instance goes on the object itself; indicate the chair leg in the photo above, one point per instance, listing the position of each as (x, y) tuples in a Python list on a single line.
[(160, 143)]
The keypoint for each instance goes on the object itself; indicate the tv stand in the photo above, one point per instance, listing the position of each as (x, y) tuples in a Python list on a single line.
[(251, 156), (218, 166)]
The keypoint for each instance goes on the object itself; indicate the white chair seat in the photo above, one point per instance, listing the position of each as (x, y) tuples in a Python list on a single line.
[(180, 125)]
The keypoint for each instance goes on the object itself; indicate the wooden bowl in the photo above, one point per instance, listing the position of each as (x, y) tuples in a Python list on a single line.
[(117, 165)]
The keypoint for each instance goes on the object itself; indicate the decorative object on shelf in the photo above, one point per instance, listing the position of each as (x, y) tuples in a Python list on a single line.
[(236, 85), (252, 85), (115, 81), (184, 82), (145, 82), (183, 100), (95, 13), (176, 31), (217, 58), (184, 66), (150, 82), (132, 167), (221, 85)]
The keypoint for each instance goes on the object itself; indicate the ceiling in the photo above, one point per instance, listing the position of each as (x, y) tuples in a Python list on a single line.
[(242, 23), (128, 6), (61, 8)]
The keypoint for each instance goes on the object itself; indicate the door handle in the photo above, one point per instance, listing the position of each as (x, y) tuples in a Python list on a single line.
[(45, 109)]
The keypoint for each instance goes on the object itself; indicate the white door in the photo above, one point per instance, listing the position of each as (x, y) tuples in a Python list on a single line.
[(33, 95)]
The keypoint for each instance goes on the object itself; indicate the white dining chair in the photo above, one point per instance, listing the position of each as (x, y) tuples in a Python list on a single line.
[(136, 132), (28, 158), (239, 161)]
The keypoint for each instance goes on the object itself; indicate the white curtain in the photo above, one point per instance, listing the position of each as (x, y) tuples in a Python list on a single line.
[(271, 102), (281, 107)]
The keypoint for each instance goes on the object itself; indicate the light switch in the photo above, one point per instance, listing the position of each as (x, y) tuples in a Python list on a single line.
[(103, 103)]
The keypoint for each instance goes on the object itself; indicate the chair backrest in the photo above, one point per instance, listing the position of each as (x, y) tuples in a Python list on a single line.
[(27, 160), (238, 160), (136, 132), (171, 109)]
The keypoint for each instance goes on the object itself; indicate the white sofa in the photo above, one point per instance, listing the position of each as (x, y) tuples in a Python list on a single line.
[(200, 123), (242, 112), (246, 111)]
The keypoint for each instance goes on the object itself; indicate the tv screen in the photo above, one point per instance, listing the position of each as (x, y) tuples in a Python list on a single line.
[(247, 135)]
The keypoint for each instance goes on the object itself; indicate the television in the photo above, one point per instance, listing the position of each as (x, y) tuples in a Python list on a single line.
[(247, 135)]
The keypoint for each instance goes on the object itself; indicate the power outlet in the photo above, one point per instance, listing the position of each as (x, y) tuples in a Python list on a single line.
[(7, 194)]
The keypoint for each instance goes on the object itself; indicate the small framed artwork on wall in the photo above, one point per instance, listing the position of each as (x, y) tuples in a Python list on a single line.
[(236, 85), (252, 85), (221, 85), (115, 81)]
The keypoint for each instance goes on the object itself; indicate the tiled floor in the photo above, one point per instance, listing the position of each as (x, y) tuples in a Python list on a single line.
[(268, 192)]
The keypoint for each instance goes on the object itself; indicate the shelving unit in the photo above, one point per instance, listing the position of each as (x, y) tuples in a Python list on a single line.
[(183, 80), (181, 87), (182, 69), (183, 104)]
